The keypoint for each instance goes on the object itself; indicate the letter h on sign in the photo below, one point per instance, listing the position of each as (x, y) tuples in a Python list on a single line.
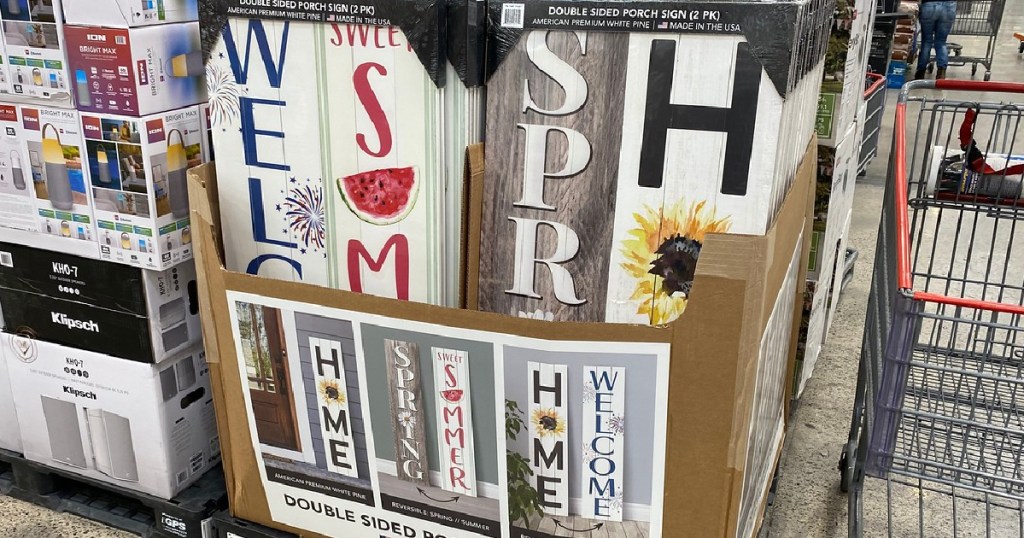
[(737, 120), (547, 388), (333, 397)]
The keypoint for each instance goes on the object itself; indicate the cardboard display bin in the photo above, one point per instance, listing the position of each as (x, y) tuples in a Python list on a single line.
[(143, 427), (350, 415), (144, 316)]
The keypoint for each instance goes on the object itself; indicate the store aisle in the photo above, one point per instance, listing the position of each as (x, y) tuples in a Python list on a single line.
[(808, 503)]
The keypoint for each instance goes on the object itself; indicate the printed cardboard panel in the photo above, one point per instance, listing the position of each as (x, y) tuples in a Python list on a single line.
[(33, 35), (60, 175), (136, 71), (145, 316), (5, 86), (138, 168), (406, 452), (10, 434), (142, 427), (129, 13), (704, 471), (333, 169), (616, 174), (17, 192)]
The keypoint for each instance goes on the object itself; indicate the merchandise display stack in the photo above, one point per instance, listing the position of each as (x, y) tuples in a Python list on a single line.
[(840, 124), (375, 311), (903, 52), (105, 387)]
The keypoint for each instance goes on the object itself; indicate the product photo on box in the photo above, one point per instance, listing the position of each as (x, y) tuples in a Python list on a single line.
[(129, 13), (148, 428), (60, 175), (136, 71), (10, 434), (124, 311), (33, 36), (17, 190), (140, 199)]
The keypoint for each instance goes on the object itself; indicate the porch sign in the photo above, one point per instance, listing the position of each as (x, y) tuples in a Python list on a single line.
[(547, 388), (604, 435), (332, 400), (407, 419), (454, 421), (328, 155)]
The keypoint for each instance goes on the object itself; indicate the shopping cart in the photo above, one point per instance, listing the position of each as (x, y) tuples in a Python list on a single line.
[(874, 100), (975, 18), (936, 443)]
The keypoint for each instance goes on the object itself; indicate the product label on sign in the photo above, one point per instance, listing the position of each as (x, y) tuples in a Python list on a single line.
[(635, 16)]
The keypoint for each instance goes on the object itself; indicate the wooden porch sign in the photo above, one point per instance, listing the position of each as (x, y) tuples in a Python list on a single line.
[(454, 421), (547, 389), (332, 400), (604, 435), (407, 418)]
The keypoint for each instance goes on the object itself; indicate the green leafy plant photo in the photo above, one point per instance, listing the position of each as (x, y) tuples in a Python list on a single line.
[(523, 499)]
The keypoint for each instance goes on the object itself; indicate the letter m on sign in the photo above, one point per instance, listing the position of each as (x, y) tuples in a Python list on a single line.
[(357, 251)]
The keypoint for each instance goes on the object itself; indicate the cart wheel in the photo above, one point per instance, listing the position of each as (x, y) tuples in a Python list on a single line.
[(844, 477), (988, 76), (974, 70)]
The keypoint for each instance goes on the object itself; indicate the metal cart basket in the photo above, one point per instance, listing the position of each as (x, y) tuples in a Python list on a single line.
[(975, 18), (936, 443)]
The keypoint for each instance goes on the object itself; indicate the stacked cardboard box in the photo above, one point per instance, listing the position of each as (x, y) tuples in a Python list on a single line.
[(840, 128), (103, 374)]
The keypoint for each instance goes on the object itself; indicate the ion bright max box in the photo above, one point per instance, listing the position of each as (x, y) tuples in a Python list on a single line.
[(33, 37), (55, 156), (140, 198), (129, 13), (139, 426), (17, 195), (145, 316), (136, 71)]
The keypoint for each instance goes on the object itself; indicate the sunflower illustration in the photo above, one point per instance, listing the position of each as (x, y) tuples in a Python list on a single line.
[(661, 254), (330, 392), (547, 422)]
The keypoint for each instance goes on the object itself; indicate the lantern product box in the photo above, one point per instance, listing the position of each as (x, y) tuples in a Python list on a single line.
[(140, 196), (343, 454), (136, 71), (149, 428), (17, 189), (129, 13), (33, 36), (10, 434), (60, 175), (678, 122), (344, 183), (131, 313)]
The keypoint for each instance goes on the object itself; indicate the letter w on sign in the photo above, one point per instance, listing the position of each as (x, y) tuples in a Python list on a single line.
[(454, 421), (332, 401), (549, 435), (407, 422)]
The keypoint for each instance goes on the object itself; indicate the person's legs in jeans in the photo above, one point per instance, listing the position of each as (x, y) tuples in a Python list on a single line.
[(945, 15), (929, 20)]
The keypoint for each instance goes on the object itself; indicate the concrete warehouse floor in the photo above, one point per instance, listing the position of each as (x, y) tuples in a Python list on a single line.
[(808, 503)]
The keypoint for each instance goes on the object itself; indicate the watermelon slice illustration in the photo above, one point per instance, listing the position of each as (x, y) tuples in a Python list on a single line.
[(452, 396), (381, 197)]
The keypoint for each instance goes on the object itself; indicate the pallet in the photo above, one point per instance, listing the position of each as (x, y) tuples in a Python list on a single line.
[(225, 526), (109, 504)]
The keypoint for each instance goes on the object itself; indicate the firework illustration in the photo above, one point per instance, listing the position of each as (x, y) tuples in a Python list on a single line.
[(305, 214), (588, 454), (589, 392), (617, 424), (224, 93), (330, 392), (661, 254), (548, 423), (615, 504)]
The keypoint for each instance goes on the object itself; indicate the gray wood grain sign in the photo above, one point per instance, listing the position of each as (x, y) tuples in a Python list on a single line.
[(407, 416), (537, 99)]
